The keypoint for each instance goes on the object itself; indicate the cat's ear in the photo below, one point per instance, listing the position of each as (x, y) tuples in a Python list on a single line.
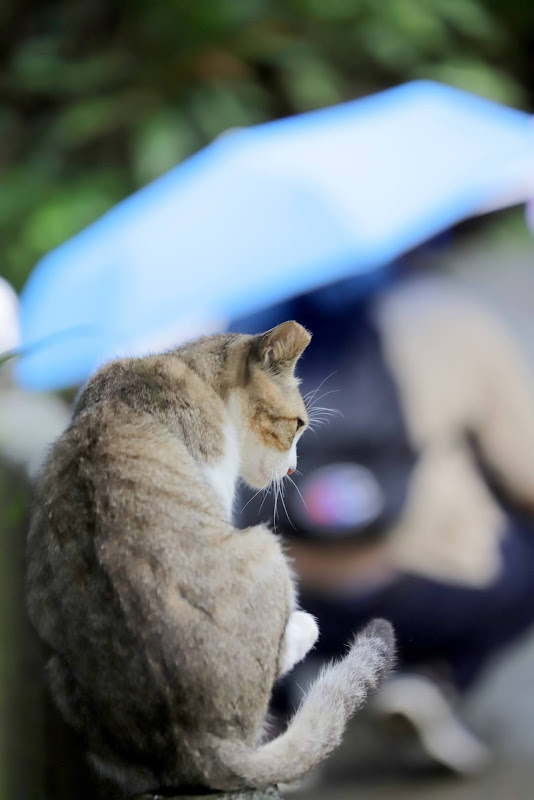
[(279, 348)]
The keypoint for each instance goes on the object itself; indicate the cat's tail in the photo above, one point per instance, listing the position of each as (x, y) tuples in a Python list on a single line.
[(318, 725)]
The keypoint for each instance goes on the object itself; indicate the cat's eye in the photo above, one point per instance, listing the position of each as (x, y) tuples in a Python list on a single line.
[(300, 423)]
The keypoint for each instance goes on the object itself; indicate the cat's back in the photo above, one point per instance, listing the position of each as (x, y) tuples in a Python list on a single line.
[(127, 443), (137, 580), (116, 478)]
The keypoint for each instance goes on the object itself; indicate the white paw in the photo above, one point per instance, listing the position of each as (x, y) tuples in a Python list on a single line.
[(300, 636)]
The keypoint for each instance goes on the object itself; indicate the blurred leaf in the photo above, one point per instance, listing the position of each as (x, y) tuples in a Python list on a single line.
[(477, 77), (159, 143), (97, 117), (21, 187), (231, 13), (17, 259), (206, 21), (218, 106), (263, 42), (253, 99), (384, 46), (309, 81), (470, 18), (71, 209), (12, 135), (39, 67), (86, 120), (418, 22), (329, 10)]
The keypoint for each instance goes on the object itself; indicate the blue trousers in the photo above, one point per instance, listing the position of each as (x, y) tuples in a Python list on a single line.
[(437, 624)]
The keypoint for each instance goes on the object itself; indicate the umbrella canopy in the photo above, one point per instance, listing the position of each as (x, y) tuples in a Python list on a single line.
[(266, 212)]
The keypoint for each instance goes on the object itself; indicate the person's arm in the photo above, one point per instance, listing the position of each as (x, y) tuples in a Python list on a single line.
[(461, 371), (505, 424)]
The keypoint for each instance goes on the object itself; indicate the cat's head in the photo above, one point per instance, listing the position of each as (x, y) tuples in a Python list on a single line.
[(273, 413)]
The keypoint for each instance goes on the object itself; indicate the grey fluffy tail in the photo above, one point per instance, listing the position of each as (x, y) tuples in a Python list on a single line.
[(318, 725)]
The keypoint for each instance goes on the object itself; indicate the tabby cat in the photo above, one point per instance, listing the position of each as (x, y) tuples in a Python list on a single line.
[(167, 626)]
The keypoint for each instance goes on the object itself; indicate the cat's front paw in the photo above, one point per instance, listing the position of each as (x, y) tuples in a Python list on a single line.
[(301, 634)]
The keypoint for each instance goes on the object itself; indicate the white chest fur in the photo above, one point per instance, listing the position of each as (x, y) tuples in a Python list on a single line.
[(223, 475)]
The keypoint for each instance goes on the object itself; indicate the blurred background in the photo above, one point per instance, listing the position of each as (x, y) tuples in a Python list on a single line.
[(101, 97)]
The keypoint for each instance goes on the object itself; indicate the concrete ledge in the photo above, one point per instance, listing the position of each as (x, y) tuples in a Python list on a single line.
[(271, 793)]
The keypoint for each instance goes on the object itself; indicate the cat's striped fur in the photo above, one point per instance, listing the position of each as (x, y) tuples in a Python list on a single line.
[(167, 627)]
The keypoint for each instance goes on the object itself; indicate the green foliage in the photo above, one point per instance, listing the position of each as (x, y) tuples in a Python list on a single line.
[(99, 98)]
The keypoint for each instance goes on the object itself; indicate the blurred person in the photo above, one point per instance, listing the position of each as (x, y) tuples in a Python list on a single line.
[(414, 502)]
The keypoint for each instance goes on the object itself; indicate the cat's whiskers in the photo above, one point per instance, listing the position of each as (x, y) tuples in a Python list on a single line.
[(333, 412), (324, 411), (252, 498), (276, 485), (311, 428), (317, 423), (284, 504), (313, 404), (267, 490), (298, 490), (314, 425), (321, 415), (266, 493), (309, 396), (318, 418)]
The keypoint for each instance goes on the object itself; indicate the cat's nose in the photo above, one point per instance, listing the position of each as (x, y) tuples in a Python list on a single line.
[(290, 471)]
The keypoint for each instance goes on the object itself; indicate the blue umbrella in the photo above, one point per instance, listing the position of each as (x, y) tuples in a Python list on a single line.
[(266, 212)]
